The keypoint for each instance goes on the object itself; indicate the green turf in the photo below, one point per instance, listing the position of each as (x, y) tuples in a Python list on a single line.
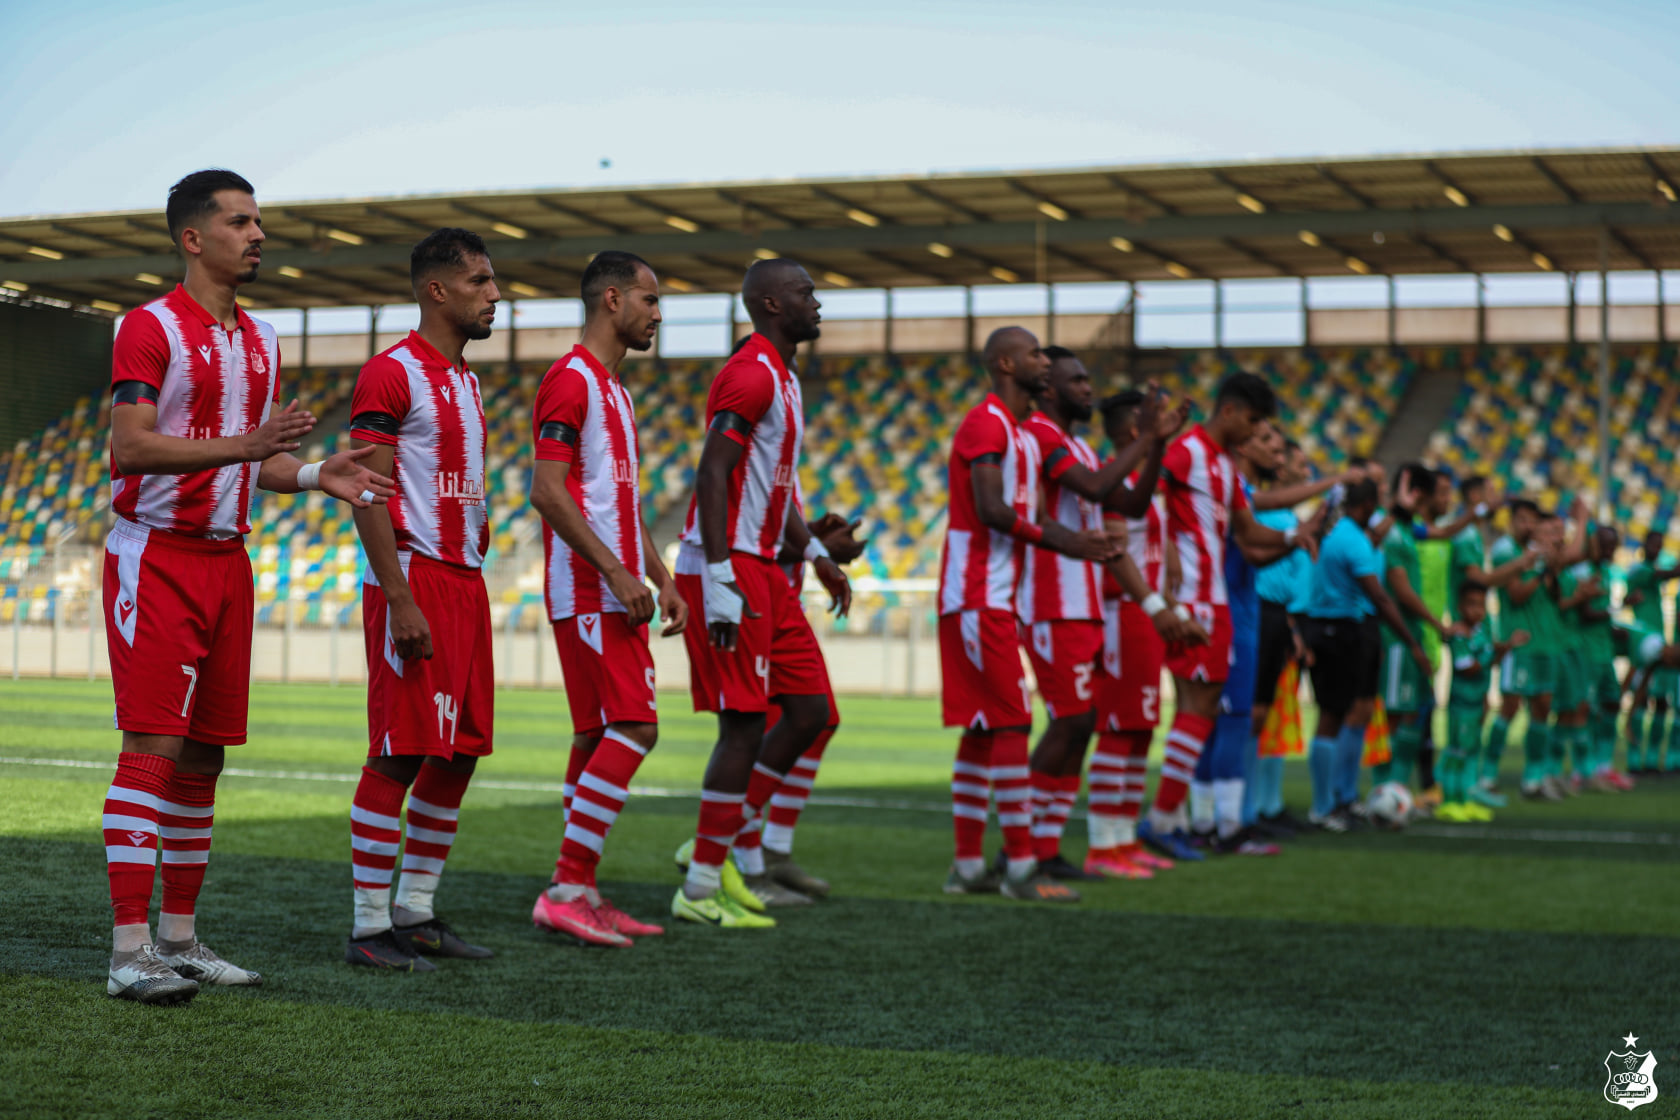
[(1370, 975)]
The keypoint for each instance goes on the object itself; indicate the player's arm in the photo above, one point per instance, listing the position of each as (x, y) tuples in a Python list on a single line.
[(1154, 417), (551, 500), (1171, 567), (986, 478), (1256, 539), (411, 635), (138, 448), (828, 573), (1445, 532), (1158, 607), (1156, 427), (1517, 640), (719, 455), (1502, 575), (344, 475), (1520, 591), (1389, 612), (1288, 497), (673, 608), (1400, 589)]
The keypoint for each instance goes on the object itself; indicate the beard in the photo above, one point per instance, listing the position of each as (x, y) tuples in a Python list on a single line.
[(475, 328), (248, 275), (1077, 412), (640, 346)]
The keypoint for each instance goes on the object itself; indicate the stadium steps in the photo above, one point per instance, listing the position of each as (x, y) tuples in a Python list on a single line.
[(1424, 408)]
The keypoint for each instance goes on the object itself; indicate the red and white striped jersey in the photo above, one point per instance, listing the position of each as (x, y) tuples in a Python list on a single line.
[(584, 417), (1146, 544), (211, 383), (1202, 493), (1054, 586), (756, 386), (980, 567), (411, 398)]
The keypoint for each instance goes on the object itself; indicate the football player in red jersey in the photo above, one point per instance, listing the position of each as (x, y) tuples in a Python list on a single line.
[(193, 379)]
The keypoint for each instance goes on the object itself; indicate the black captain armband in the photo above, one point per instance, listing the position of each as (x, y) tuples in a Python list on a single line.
[(725, 422), (133, 392), (1055, 457), (382, 422), (555, 430), (990, 458)]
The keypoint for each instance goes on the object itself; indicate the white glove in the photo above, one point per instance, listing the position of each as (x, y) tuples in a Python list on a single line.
[(723, 599)]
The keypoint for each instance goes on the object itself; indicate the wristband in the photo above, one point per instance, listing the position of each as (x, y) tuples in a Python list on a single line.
[(1155, 604), (1291, 534), (1182, 611), (1026, 530), (721, 572), (815, 550), (309, 476), (1481, 509), (1376, 519)]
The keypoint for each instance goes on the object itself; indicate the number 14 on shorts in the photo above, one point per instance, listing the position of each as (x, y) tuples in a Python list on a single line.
[(448, 712)]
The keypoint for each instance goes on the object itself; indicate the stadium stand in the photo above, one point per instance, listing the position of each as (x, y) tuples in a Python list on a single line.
[(878, 433)]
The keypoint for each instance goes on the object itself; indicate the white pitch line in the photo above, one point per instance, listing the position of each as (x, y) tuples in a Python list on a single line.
[(1551, 836)]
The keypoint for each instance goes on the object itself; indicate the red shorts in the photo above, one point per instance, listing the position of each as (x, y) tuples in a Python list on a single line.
[(608, 670), (178, 613), (982, 682), (446, 705), (1212, 662), (775, 654), (1064, 654), (1129, 685)]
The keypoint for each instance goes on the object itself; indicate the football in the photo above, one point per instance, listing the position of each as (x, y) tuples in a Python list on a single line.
[(1390, 805)]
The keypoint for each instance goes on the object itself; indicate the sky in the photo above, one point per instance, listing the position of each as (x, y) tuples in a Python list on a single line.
[(108, 103)]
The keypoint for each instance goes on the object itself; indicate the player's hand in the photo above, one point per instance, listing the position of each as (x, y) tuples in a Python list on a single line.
[(1303, 652), (1095, 545), (840, 537), (834, 582), (1406, 495), (1633, 598), (1173, 419), (1518, 639), (634, 594), (411, 635), (344, 477), (283, 431), (1307, 542), (725, 605), (673, 608), (1421, 660)]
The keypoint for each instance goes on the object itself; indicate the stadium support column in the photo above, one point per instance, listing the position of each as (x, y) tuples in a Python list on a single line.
[(729, 343), (1049, 314), (1572, 339), (303, 345), (1393, 327), (968, 320), (373, 330), (1481, 311), (1662, 312), (1604, 511), (887, 332), (513, 338), (1219, 317), (1306, 316)]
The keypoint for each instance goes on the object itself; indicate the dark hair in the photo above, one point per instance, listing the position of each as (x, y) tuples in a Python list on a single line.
[(1518, 505), (194, 197), (1292, 445), (448, 247), (611, 268), (1358, 462), (1360, 493), (1466, 587), (1422, 478), (1118, 409), (1249, 390), (1057, 353), (1470, 483)]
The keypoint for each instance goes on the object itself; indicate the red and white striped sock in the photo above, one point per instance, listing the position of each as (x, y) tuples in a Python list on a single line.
[(434, 811), (1047, 832), (1009, 774), (720, 822), (1184, 746), (130, 823), (789, 799), (970, 798), (582, 748), (184, 822), (1041, 797), (601, 792), (375, 825), (1105, 789), (749, 855)]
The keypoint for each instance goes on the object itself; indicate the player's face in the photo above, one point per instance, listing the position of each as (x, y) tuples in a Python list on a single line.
[(470, 296), (1072, 385), (1653, 547), (228, 243), (1239, 422), (1473, 607), (638, 315), (1475, 496), (1522, 524), (1296, 468), (1027, 363), (1265, 447), (800, 309), (1441, 501)]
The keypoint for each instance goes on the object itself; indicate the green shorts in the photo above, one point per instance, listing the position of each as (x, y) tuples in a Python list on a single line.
[(1606, 687), (1464, 728), (1664, 682), (1528, 672), (1404, 685), (1570, 684)]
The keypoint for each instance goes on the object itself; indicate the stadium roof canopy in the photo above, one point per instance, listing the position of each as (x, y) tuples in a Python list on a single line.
[(1494, 212)]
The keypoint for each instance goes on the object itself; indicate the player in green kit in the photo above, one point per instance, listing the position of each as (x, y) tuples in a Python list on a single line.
[(1525, 674), (1598, 653), (1552, 633), (1406, 688), (1474, 653), (1651, 745), (1579, 586)]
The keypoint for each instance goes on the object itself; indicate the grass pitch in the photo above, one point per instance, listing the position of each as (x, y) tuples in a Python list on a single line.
[(1441, 972)]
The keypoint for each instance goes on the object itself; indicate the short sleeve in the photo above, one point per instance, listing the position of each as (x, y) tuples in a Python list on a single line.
[(381, 396), (1239, 496), (1175, 464), (1364, 560), (562, 405), (746, 387), (982, 433), (1053, 449), (141, 351)]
